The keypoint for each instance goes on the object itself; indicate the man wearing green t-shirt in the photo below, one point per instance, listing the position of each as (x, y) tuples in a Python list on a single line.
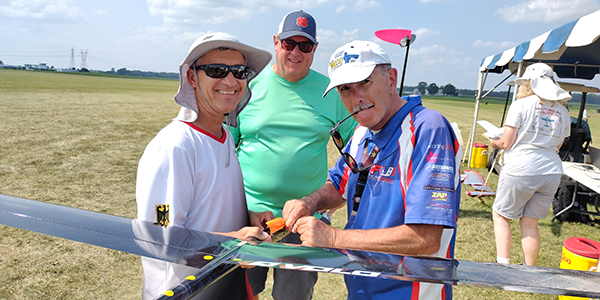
[(282, 136)]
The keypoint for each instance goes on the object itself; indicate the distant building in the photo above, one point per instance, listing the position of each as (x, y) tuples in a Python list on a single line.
[(40, 66), (66, 70), (11, 67)]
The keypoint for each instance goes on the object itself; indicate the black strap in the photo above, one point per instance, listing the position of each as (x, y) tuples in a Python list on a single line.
[(367, 159), (358, 191)]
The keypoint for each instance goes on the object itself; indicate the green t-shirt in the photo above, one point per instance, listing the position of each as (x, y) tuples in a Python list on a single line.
[(283, 134)]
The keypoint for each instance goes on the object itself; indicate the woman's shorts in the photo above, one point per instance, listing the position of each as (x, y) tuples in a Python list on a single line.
[(525, 196)]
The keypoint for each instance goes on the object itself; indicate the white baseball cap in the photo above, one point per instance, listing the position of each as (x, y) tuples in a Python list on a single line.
[(256, 59), (542, 83), (354, 62)]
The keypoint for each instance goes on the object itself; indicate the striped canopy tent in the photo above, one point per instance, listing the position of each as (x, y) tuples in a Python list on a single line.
[(572, 50)]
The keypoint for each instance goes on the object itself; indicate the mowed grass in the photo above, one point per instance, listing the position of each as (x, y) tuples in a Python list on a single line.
[(76, 141)]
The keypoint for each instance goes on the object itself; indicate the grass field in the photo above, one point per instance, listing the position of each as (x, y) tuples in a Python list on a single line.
[(76, 141)]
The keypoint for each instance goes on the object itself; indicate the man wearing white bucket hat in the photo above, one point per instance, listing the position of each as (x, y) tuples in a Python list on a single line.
[(535, 128), (398, 175), (189, 175)]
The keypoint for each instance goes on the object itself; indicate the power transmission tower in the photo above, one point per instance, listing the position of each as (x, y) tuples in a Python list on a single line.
[(84, 56), (72, 63)]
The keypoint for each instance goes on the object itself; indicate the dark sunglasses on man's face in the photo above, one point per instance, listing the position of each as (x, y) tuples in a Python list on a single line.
[(348, 159), (289, 45), (221, 70)]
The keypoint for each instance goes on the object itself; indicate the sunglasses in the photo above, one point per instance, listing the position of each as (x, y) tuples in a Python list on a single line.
[(289, 45), (348, 159), (221, 70)]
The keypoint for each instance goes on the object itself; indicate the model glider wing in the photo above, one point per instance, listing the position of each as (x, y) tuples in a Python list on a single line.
[(199, 249)]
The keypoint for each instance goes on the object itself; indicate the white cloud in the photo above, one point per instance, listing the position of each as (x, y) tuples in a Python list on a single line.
[(207, 11), (490, 44), (46, 10), (340, 8), (432, 50), (188, 38), (547, 10), (361, 5), (329, 37), (425, 32), (437, 55), (350, 33), (446, 60)]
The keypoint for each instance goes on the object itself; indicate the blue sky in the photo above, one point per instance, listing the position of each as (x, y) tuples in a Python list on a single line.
[(453, 36)]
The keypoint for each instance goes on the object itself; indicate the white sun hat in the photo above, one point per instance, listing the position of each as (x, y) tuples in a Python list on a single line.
[(354, 62), (542, 83), (256, 59)]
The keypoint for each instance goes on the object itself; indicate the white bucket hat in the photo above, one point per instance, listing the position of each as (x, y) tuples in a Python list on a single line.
[(542, 83), (256, 59), (354, 62)]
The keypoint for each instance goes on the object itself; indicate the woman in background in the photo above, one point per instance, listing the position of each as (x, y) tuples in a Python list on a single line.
[(535, 128)]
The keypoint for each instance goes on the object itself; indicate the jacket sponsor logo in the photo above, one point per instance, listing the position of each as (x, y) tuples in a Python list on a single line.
[(439, 168), (439, 196), (440, 176), (383, 170), (439, 187), (438, 207), (431, 157), (313, 268), (440, 146), (383, 173)]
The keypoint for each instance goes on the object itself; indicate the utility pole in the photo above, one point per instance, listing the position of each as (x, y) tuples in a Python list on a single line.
[(72, 63), (84, 56)]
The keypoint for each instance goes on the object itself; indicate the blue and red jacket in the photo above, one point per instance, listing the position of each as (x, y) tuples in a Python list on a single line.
[(419, 183)]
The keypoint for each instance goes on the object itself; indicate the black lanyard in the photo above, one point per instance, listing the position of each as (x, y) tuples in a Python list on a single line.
[(363, 176)]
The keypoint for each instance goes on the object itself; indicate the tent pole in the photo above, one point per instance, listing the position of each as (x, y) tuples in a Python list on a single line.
[(505, 105), (480, 83), (519, 74)]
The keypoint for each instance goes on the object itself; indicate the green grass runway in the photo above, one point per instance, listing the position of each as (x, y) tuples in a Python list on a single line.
[(76, 140)]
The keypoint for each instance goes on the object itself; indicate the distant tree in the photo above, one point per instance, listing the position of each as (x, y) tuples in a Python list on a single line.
[(432, 88), (122, 71), (449, 90), (422, 86), (1, 62)]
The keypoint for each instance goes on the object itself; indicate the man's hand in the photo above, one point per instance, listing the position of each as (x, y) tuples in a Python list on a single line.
[(315, 233), (259, 219), (294, 210)]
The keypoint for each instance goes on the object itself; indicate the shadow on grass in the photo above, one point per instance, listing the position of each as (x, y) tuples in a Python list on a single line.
[(556, 228), (475, 213)]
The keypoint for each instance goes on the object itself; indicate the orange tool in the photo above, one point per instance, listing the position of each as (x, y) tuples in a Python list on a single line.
[(276, 228)]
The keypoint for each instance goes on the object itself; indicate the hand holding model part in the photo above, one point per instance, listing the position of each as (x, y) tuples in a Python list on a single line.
[(298, 215), (276, 229)]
